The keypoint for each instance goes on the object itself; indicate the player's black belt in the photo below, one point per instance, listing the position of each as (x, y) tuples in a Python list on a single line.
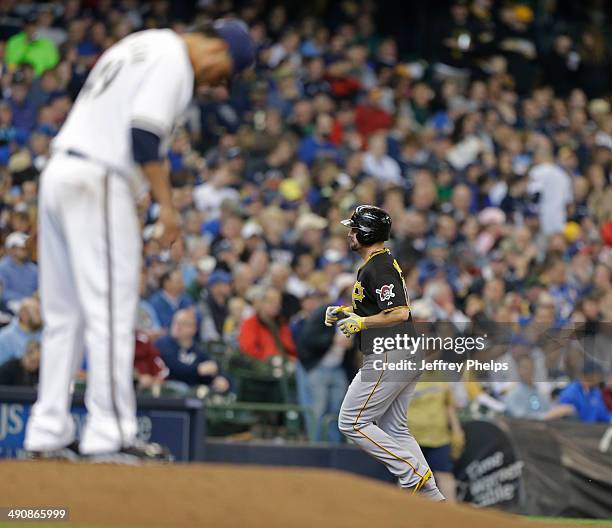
[(76, 154)]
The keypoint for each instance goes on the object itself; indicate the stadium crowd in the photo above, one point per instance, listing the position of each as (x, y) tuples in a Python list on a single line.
[(493, 158)]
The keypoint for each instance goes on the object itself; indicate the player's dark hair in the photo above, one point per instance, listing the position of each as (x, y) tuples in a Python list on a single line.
[(205, 28)]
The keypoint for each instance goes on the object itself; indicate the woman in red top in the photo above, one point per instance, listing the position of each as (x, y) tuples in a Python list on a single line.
[(265, 334)]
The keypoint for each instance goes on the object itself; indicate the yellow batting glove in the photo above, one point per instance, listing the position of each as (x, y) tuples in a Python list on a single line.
[(353, 324), (333, 313)]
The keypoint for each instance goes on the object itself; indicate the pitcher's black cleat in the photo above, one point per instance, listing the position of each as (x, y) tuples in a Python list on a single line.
[(138, 453), (69, 453)]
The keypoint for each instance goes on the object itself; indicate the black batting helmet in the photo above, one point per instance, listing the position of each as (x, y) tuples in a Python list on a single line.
[(373, 224)]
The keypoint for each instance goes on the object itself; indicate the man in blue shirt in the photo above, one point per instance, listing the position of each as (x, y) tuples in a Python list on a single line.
[(318, 147), (525, 400), (186, 360), (170, 297), (9, 133), (18, 275), (24, 112), (582, 398), (24, 328)]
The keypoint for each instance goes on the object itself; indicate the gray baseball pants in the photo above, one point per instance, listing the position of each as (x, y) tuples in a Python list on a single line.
[(373, 415)]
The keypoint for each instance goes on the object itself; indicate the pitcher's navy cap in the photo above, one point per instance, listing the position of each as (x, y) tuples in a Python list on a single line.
[(239, 43)]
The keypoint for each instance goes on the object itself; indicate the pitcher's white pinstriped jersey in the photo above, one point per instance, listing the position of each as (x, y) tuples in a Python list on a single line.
[(144, 81)]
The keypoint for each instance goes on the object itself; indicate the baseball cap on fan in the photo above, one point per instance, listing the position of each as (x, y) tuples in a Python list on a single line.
[(16, 240), (239, 42)]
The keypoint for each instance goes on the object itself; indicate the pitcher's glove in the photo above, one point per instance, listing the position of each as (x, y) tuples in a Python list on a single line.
[(333, 313), (352, 324)]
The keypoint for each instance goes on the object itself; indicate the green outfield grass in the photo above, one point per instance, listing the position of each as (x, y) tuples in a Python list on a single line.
[(572, 522), (66, 524)]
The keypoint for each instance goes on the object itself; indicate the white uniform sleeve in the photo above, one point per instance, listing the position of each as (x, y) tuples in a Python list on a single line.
[(163, 95)]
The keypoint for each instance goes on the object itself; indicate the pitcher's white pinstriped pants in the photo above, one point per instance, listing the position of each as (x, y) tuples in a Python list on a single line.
[(89, 250)]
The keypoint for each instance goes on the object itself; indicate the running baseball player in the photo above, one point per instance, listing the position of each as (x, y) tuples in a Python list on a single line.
[(112, 145), (373, 412)]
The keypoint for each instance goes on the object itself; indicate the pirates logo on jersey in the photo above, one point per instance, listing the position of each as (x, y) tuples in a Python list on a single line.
[(357, 294), (385, 292)]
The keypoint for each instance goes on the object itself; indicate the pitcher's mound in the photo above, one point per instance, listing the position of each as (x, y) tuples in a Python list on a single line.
[(217, 495)]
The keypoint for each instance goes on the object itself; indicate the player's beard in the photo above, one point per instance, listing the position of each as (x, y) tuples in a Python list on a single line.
[(354, 245)]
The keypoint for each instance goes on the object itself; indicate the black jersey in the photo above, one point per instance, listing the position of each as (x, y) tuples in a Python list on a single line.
[(380, 287)]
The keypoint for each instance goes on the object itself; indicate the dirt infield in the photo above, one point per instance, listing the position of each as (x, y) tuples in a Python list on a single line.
[(216, 495)]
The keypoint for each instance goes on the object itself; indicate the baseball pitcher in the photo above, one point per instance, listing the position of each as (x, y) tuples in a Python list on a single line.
[(113, 143)]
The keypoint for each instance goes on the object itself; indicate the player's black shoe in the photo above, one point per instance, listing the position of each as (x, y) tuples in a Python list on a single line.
[(138, 453), (69, 453)]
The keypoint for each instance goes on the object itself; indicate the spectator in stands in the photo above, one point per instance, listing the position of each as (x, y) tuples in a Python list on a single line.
[(18, 274), (377, 163), (303, 266), (321, 378), (454, 39), (370, 117), (244, 279), (279, 275), (593, 72), (266, 334), (300, 123), (170, 297), (46, 27), (419, 103), (24, 328), (179, 258), (252, 234), (318, 146), (146, 318), (309, 230), (315, 82), (22, 371), (149, 368), (554, 276), (441, 297), (582, 398), (209, 196), (23, 109), (286, 50), (492, 295), (525, 400), (9, 133), (185, 358), (204, 267), (271, 169), (433, 421), (517, 44), (553, 187), (561, 65), (28, 48), (237, 311), (214, 306)]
